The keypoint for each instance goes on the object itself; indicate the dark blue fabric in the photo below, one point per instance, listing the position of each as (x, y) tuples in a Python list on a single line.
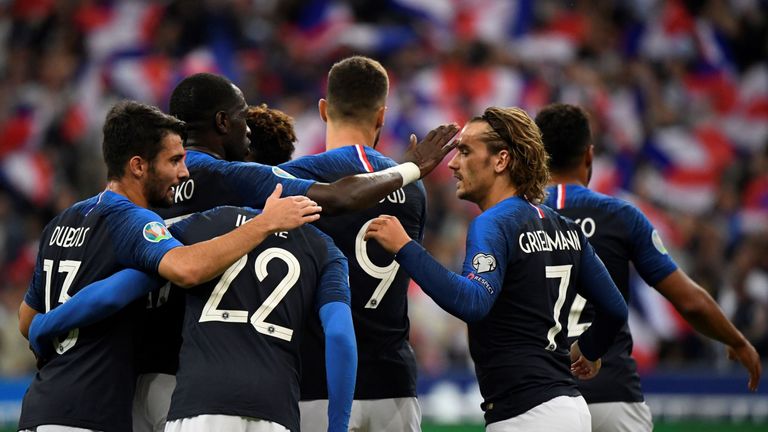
[(91, 304), (465, 298)]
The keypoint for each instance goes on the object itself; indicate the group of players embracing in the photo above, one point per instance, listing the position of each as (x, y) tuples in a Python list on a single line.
[(213, 286)]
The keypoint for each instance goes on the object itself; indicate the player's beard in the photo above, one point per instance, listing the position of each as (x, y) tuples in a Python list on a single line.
[(156, 190)]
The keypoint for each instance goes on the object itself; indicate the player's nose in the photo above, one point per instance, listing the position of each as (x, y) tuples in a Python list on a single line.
[(453, 164)]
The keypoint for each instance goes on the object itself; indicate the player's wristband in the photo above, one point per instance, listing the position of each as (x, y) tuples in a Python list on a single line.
[(409, 171)]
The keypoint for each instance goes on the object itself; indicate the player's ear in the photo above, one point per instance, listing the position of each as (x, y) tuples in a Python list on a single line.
[(137, 166), (380, 117), (221, 122), (322, 107), (589, 155), (502, 161)]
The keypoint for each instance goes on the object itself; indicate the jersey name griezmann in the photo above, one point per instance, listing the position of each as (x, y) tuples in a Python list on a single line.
[(540, 241)]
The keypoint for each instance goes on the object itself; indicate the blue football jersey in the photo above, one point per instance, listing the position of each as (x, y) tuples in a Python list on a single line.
[(386, 361), (620, 234), (89, 382), (242, 331), (212, 182)]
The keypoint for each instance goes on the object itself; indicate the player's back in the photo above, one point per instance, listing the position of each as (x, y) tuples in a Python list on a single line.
[(386, 362), (620, 234), (519, 348), (242, 331), (212, 182), (89, 382)]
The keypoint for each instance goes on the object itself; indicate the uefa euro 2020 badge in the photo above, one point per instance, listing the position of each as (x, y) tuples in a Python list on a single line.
[(156, 232)]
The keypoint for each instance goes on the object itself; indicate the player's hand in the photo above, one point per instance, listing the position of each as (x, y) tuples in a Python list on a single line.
[(581, 367), (748, 357), (284, 214), (431, 150), (388, 231)]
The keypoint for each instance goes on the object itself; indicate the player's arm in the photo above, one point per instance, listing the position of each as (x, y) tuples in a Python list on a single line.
[(469, 297), (91, 304), (189, 266), (595, 284), (365, 190), (704, 314), (333, 298), (655, 266)]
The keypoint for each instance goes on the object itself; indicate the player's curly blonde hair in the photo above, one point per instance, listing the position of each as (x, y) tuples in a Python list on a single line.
[(514, 130)]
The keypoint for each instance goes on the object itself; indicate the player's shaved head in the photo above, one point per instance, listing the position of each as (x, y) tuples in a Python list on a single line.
[(566, 135), (135, 129), (357, 88), (199, 97)]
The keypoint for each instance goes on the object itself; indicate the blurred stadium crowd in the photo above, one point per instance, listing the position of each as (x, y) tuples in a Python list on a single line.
[(677, 92)]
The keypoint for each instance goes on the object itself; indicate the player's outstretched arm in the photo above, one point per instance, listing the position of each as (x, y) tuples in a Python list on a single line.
[(702, 312), (464, 298), (93, 303), (365, 190), (595, 284), (189, 266)]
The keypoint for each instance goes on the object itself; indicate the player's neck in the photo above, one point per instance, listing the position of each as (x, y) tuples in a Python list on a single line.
[(129, 189), (343, 135), (498, 192), (204, 145), (567, 178)]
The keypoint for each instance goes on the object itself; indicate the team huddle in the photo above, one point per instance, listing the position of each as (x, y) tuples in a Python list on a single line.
[(218, 285)]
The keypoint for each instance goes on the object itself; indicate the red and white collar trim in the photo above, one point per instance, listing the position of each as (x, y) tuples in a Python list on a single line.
[(561, 196), (363, 158)]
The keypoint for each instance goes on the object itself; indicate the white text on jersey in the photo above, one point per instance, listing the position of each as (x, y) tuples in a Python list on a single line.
[(396, 197), (241, 219), (64, 236), (540, 241), (183, 191)]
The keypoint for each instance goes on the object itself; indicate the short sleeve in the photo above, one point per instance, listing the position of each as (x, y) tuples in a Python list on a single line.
[(142, 237), (334, 278), (648, 253), (35, 296)]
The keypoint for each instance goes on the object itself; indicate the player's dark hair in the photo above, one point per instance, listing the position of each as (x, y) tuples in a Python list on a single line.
[(514, 130), (272, 135), (135, 129), (566, 135), (197, 99), (357, 88)]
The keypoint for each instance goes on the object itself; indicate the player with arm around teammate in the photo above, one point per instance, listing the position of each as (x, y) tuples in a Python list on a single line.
[(217, 143), (88, 382), (239, 365), (385, 394), (620, 233), (524, 266)]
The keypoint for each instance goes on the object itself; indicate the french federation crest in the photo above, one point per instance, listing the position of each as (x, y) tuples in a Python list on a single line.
[(282, 173), (156, 232), (484, 263)]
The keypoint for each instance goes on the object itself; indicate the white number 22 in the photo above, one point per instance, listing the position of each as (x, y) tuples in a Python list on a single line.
[(211, 312)]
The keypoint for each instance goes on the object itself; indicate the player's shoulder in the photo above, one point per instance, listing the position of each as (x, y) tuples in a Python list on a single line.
[(506, 215)]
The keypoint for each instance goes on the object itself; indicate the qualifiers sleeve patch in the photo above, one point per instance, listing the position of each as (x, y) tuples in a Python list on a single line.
[(484, 263), (156, 232), (282, 173), (657, 243)]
